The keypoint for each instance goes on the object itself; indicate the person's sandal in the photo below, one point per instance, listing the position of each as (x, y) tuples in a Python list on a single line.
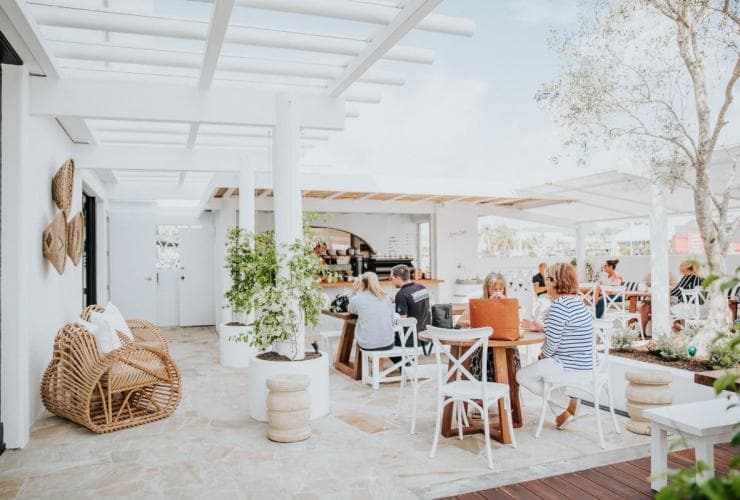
[(562, 420)]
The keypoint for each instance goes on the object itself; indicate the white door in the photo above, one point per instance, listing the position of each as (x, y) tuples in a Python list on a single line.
[(133, 258), (167, 292), (196, 302)]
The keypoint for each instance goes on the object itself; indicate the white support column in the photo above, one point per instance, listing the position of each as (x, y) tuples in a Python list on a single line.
[(15, 378), (246, 199), (286, 186), (581, 252), (225, 220), (659, 262)]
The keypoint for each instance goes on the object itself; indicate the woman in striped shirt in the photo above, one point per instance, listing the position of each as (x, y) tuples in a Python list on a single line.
[(569, 337)]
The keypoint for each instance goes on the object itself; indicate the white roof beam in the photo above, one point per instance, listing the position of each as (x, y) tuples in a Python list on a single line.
[(128, 23), (142, 158), (181, 180), (412, 13), (363, 12), (77, 130), (193, 60), (114, 100), (220, 16)]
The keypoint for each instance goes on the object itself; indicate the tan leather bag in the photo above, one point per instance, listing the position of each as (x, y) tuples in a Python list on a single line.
[(500, 314)]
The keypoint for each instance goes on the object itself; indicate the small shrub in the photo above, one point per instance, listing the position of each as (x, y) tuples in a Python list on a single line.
[(622, 338), (673, 347), (722, 354)]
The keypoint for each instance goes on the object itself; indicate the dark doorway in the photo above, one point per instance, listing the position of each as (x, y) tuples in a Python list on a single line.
[(89, 255)]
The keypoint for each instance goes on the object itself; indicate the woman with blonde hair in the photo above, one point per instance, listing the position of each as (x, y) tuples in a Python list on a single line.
[(374, 310), (569, 337), (494, 287)]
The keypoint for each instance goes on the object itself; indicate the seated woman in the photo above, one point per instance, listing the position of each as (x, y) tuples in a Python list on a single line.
[(690, 279), (374, 310), (569, 337), (609, 277), (494, 287)]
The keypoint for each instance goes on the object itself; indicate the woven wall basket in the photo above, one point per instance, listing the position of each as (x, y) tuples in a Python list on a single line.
[(63, 184), (76, 238), (55, 241)]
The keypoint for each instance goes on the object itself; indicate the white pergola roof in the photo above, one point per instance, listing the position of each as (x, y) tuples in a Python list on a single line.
[(345, 50), (613, 195)]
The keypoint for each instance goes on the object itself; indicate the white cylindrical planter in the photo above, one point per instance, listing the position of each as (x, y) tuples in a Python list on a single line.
[(317, 371), (231, 353)]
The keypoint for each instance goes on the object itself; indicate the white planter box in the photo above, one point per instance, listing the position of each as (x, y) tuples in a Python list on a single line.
[(684, 388), (316, 369), (233, 354)]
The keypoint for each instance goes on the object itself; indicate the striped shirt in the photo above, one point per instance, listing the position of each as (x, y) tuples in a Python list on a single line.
[(688, 282), (569, 334)]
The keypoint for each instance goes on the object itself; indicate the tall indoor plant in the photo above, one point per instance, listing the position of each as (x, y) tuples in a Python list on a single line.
[(242, 265), (285, 304)]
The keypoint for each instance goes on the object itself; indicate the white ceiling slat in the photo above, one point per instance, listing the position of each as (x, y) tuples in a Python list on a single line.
[(127, 23), (407, 18), (362, 12), (192, 60)]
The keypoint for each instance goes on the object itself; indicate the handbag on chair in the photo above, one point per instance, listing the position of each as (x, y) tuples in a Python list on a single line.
[(500, 314), (442, 315)]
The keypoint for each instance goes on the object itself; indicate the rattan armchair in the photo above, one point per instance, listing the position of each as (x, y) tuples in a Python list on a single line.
[(106, 392), (144, 332)]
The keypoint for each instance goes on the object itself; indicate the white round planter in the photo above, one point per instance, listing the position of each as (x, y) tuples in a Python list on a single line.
[(231, 353), (317, 371)]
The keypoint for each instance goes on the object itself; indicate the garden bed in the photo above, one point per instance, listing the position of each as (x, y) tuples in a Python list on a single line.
[(693, 365)]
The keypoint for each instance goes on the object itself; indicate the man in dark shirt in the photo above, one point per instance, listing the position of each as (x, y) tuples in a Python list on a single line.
[(538, 280), (412, 300)]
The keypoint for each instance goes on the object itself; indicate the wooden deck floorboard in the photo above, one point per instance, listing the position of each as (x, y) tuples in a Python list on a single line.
[(619, 481)]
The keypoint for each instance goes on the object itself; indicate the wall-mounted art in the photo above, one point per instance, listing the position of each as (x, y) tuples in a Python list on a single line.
[(76, 238), (62, 186), (55, 241)]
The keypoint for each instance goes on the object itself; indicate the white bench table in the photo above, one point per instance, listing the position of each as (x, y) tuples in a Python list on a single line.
[(702, 424)]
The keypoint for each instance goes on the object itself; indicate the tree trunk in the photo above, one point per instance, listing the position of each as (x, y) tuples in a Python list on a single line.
[(719, 318)]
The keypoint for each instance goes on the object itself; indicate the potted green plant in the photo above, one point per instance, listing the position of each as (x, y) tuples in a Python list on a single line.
[(241, 262), (288, 299)]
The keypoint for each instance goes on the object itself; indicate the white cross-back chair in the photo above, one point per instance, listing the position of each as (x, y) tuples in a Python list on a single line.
[(592, 382), (456, 385), (690, 310), (587, 294), (372, 374), (615, 302)]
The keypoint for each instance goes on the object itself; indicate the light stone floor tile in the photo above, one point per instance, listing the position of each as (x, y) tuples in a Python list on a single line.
[(211, 448)]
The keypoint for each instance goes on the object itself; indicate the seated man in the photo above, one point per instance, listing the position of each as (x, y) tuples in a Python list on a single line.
[(412, 300)]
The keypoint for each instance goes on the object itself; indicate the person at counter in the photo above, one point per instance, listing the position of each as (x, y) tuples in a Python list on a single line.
[(538, 280), (374, 330), (412, 300)]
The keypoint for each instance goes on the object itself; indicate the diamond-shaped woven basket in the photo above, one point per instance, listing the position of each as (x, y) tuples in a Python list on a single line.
[(55, 241), (62, 185), (76, 238)]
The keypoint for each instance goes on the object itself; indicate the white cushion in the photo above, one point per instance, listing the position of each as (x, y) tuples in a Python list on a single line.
[(116, 320), (105, 335)]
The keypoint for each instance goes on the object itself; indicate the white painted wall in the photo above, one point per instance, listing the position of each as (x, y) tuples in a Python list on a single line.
[(36, 301)]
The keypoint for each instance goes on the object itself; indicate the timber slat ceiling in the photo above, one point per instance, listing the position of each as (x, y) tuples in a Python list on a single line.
[(318, 194), (526, 202)]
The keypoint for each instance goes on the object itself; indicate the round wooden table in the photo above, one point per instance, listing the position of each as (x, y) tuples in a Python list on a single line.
[(505, 373)]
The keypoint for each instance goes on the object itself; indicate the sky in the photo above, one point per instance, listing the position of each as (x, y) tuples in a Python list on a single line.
[(472, 113)]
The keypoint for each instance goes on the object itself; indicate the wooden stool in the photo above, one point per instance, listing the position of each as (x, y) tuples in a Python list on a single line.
[(288, 408), (647, 390)]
